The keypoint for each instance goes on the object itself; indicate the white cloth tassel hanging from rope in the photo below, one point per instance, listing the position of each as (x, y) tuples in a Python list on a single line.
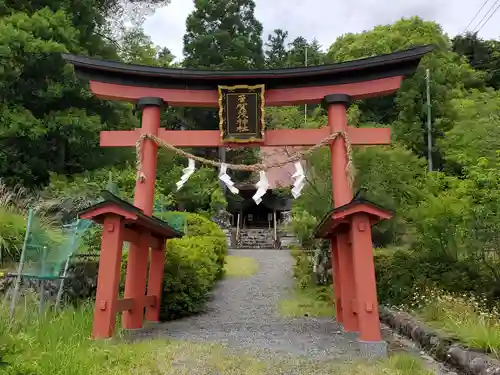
[(188, 171), (224, 177), (299, 179), (262, 187)]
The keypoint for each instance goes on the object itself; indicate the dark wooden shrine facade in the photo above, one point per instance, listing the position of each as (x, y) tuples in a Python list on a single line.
[(335, 85)]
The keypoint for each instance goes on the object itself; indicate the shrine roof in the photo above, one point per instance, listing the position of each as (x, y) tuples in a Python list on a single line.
[(331, 219), (140, 218), (400, 63)]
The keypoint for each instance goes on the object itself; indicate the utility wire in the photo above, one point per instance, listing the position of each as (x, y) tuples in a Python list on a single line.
[(488, 12), (477, 14), (491, 15)]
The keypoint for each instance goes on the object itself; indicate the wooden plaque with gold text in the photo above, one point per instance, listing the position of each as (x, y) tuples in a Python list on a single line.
[(241, 113)]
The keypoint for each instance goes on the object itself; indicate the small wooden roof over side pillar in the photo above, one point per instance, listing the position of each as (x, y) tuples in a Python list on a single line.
[(135, 218), (336, 220)]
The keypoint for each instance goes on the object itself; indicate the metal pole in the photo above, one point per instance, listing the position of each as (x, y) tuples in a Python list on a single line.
[(238, 227), (61, 285), (305, 105), (429, 123), (275, 229), (20, 266), (66, 266), (42, 281)]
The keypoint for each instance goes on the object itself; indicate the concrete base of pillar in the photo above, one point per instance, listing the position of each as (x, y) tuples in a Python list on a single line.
[(373, 349)]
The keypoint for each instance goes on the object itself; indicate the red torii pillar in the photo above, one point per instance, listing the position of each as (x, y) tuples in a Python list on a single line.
[(137, 267), (343, 282)]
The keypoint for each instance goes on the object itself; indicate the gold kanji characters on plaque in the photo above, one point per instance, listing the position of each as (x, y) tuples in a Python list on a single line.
[(242, 113)]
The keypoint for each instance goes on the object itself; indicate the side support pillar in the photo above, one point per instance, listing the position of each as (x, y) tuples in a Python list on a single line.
[(108, 278), (155, 282), (135, 287), (370, 339), (337, 105), (135, 283)]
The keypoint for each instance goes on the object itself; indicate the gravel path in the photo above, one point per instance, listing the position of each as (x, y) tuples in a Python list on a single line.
[(244, 315)]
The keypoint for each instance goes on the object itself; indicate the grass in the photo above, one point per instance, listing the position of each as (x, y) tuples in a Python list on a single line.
[(310, 301), (59, 345), (464, 317), (237, 266)]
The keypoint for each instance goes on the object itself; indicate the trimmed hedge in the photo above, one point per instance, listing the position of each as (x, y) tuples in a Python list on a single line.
[(193, 265), (196, 225), (191, 271)]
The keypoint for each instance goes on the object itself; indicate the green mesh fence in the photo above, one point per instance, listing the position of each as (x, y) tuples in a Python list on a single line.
[(176, 220), (46, 250)]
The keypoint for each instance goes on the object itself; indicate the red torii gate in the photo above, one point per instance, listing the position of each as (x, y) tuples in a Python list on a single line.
[(335, 85)]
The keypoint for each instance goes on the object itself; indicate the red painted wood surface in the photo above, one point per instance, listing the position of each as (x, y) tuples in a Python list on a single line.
[(274, 138), (155, 282), (274, 97), (108, 278), (366, 303), (138, 256)]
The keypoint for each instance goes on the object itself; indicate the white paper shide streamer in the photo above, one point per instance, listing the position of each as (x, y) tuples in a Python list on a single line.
[(188, 171), (299, 178), (224, 177), (262, 187)]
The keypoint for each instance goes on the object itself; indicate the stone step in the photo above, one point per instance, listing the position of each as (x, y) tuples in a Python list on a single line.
[(259, 238)]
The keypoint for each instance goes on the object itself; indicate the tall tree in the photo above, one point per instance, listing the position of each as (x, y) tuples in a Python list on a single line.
[(476, 129), (297, 53), (276, 51), (450, 73), (223, 34), (138, 48), (48, 120), (483, 55)]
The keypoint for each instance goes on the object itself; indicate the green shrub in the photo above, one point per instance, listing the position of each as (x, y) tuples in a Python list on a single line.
[(191, 271), (193, 264), (303, 225), (192, 267), (91, 240), (399, 273), (303, 268), (219, 246), (191, 224), (197, 225), (12, 232)]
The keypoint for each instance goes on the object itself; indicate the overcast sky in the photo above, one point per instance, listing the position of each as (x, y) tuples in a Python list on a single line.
[(325, 20)]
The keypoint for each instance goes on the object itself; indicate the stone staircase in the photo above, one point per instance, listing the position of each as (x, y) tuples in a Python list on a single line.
[(261, 238), (287, 239)]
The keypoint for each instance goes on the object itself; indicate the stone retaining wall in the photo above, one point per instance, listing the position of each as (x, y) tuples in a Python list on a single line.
[(444, 348), (80, 285)]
